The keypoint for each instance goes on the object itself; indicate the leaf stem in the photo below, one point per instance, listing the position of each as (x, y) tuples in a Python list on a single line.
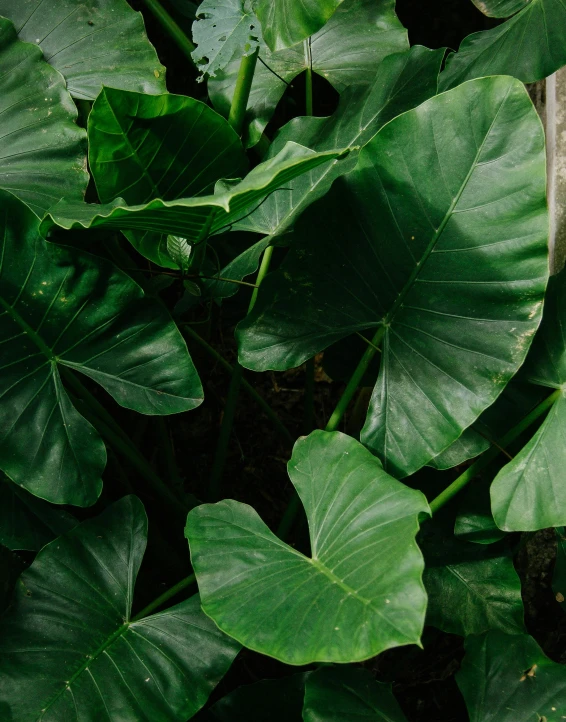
[(355, 380), (308, 77), (242, 91), (172, 29), (488, 456), (165, 597)]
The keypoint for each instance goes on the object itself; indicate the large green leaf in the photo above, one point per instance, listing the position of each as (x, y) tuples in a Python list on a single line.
[(42, 151), (529, 492), (529, 46), (359, 594), (471, 588), (346, 51), (135, 152), (500, 8), (559, 575), (287, 22), (403, 81), (69, 649), (62, 307), (439, 239), (90, 42), (27, 522), (507, 678), (196, 218), (348, 693)]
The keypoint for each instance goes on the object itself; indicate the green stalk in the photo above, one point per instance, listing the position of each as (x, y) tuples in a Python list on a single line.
[(165, 597), (488, 456), (171, 28), (242, 91), (232, 397), (308, 77), (355, 380)]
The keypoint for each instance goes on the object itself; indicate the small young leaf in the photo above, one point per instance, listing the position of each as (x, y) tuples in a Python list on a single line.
[(179, 250), (361, 591), (68, 647)]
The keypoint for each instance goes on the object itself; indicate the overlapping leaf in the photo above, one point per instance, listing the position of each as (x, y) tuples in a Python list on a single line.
[(529, 46), (507, 678), (42, 151), (143, 147), (70, 650), (474, 521), (445, 225), (346, 52), (61, 307), (92, 43), (359, 594), (288, 22)]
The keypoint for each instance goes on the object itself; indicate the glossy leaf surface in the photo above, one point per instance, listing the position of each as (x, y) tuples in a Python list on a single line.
[(500, 8), (288, 22), (446, 224), (346, 51), (70, 651), (42, 151), (94, 43), (335, 694), (27, 522), (530, 46), (143, 147), (403, 80), (61, 307), (359, 594), (507, 678)]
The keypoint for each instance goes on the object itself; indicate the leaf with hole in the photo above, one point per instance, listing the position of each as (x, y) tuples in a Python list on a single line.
[(446, 224), (69, 648)]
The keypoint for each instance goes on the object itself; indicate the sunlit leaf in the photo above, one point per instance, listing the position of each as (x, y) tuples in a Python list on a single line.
[(287, 22)]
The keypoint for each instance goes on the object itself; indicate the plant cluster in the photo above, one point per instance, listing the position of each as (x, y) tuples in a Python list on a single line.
[(405, 236)]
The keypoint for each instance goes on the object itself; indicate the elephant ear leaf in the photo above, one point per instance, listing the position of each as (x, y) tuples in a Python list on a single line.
[(446, 226), (360, 593), (90, 43), (500, 8), (528, 493), (69, 648), (287, 22), (62, 309)]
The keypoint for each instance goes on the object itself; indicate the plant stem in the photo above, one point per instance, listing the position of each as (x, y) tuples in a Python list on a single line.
[(308, 77), (242, 91), (165, 597), (355, 380), (488, 456), (171, 28), (232, 397)]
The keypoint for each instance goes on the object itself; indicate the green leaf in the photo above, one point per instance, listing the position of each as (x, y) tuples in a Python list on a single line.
[(474, 522), (62, 307), (244, 264), (179, 251), (471, 588), (509, 679), (446, 222), (528, 493), (559, 576), (27, 522), (500, 8), (349, 693), (403, 80), (92, 43), (195, 219), (287, 22), (347, 51), (135, 153), (70, 650), (42, 151), (529, 46), (359, 594), (224, 29)]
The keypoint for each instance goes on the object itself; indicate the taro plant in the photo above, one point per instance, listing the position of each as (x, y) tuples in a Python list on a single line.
[(382, 268)]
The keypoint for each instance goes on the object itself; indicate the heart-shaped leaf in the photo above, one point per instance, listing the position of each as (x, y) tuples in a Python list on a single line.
[(42, 151), (500, 8), (287, 22), (507, 678), (91, 43), (529, 46), (529, 493), (361, 591), (69, 648), (346, 51), (135, 153), (403, 80), (446, 225), (27, 522), (62, 307)]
